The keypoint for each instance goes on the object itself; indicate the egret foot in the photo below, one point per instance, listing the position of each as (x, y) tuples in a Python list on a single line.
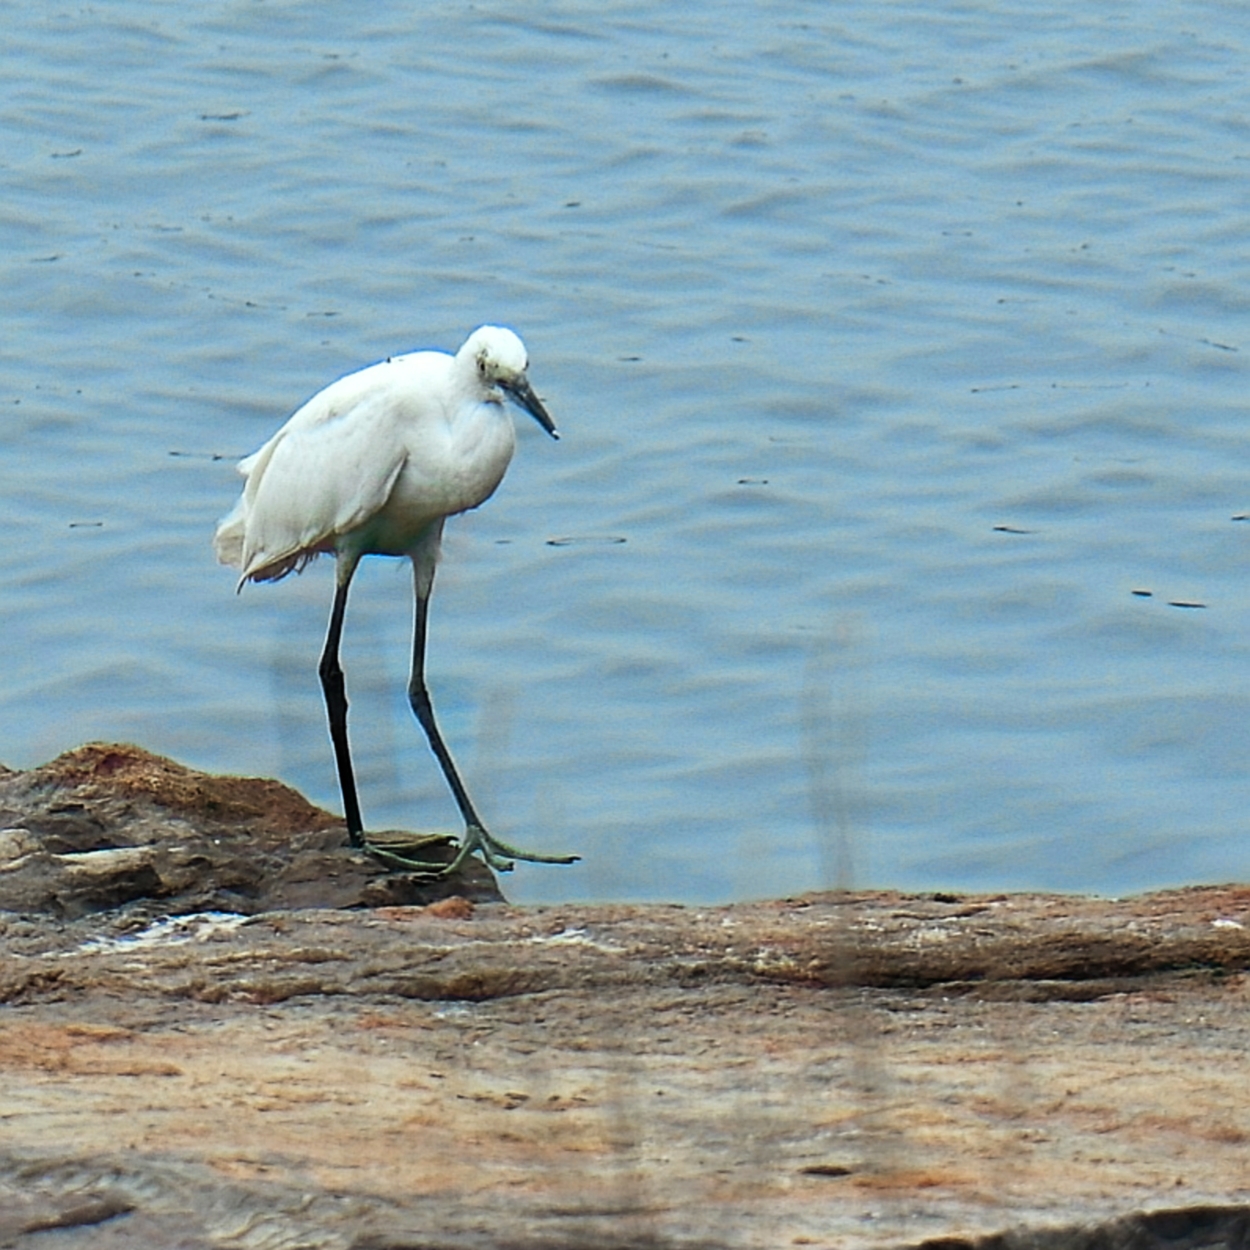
[(398, 852), (410, 852), (498, 855)]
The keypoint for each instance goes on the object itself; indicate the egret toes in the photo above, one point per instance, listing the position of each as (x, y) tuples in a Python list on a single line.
[(497, 855)]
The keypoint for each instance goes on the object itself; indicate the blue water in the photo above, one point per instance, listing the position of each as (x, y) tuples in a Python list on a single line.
[(900, 357)]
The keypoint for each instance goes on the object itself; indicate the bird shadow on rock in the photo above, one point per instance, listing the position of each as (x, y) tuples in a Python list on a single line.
[(110, 825)]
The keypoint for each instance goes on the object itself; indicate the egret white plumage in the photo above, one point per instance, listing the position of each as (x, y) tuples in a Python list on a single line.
[(374, 465)]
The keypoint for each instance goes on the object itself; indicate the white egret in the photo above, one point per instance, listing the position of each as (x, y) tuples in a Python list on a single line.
[(374, 465)]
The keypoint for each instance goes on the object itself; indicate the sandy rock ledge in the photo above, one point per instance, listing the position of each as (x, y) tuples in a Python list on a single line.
[(233, 1032)]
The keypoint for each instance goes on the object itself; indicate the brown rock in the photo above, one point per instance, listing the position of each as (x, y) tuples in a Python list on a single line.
[(108, 825)]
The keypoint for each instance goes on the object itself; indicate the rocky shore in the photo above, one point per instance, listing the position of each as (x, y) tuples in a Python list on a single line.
[(221, 1028)]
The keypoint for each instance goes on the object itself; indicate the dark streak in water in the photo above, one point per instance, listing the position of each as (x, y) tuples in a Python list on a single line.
[(579, 540)]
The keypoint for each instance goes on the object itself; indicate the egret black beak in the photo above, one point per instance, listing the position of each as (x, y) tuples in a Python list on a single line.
[(520, 391)]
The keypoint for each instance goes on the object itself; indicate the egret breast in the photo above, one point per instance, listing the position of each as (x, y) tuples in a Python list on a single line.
[(452, 471)]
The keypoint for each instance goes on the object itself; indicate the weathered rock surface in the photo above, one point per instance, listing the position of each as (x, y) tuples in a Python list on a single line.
[(111, 825), (206, 1054)]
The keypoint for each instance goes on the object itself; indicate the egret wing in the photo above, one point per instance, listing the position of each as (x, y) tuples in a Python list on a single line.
[(324, 474)]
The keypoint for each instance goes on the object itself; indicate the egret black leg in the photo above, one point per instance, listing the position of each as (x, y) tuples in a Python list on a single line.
[(497, 854), (332, 686), (423, 710)]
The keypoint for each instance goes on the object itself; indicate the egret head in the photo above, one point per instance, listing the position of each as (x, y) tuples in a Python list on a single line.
[(499, 358)]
